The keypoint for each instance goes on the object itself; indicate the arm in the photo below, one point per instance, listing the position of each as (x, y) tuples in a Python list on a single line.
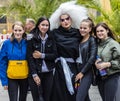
[(50, 52), (3, 64), (31, 63), (115, 61), (91, 56), (111, 59)]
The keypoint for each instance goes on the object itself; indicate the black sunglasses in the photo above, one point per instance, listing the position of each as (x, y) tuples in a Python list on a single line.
[(62, 20)]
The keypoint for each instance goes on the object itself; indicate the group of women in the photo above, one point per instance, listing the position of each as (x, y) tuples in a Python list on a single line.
[(59, 58)]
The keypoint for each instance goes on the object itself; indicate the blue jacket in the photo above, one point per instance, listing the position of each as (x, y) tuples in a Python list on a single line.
[(11, 51)]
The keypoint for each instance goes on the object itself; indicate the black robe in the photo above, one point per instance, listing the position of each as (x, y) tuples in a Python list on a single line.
[(67, 42)]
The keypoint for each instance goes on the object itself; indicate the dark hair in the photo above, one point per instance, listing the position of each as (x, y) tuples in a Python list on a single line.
[(104, 25), (91, 24), (19, 23), (36, 29)]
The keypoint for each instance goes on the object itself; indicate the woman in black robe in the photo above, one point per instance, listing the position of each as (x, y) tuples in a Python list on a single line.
[(67, 41), (64, 22)]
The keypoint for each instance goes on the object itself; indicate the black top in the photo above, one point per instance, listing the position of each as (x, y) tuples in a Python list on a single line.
[(88, 53), (67, 42)]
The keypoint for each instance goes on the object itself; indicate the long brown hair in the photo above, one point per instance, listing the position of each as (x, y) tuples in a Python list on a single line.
[(104, 25)]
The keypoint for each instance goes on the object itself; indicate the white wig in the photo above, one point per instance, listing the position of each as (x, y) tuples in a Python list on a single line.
[(76, 12)]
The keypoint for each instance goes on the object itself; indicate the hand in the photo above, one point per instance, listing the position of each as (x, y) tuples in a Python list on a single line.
[(97, 63), (37, 80), (79, 76), (103, 65), (5, 87), (37, 54)]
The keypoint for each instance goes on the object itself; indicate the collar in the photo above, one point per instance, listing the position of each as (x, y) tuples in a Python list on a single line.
[(104, 42), (45, 38)]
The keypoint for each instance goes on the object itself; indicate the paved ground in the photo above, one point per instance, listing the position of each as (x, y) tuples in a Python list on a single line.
[(94, 94), (4, 95)]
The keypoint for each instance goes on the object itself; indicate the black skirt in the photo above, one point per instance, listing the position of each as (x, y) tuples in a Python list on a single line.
[(60, 91)]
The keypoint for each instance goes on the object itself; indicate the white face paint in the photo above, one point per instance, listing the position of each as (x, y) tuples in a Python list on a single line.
[(65, 21)]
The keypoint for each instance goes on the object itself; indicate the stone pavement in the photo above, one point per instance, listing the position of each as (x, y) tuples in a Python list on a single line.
[(94, 94)]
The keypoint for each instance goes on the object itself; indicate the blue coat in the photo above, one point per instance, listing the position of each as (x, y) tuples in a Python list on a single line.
[(11, 51)]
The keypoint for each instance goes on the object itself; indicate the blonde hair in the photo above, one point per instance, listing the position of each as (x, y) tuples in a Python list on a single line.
[(30, 20), (19, 23)]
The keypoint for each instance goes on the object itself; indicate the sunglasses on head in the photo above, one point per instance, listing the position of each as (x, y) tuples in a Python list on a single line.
[(62, 20)]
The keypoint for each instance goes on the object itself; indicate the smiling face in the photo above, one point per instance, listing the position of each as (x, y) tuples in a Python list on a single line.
[(18, 32), (29, 26), (101, 33), (43, 27), (65, 21), (84, 29)]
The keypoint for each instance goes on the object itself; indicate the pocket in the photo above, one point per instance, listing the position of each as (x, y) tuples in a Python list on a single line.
[(36, 46), (49, 45)]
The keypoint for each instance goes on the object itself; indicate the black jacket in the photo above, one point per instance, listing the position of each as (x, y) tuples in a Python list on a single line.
[(89, 53), (50, 54)]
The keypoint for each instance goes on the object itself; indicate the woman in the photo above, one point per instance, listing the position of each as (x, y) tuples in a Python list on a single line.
[(88, 51), (14, 49), (41, 58), (67, 41), (109, 54), (65, 22)]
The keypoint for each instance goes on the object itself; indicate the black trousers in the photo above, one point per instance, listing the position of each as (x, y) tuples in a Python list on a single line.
[(17, 86), (44, 89), (110, 88), (82, 93)]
